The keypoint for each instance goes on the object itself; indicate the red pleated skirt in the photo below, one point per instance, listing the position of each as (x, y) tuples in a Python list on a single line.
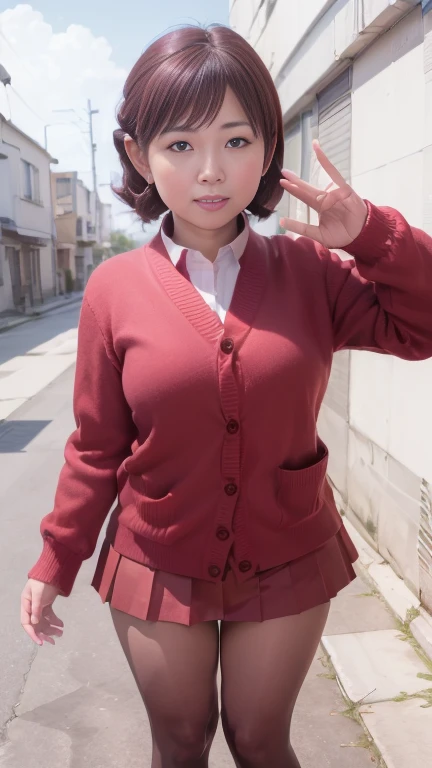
[(287, 589)]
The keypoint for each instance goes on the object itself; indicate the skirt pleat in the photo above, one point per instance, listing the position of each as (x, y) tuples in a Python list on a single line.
[(155, 595)]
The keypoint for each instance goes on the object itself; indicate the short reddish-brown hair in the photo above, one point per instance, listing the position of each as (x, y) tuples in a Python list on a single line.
[(183, 77)]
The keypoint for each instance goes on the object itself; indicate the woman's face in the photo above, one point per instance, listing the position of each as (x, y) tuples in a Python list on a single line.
[(224, 161)]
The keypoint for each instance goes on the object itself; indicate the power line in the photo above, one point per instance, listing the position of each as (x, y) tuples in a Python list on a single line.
[(27, 105), (16, 53)]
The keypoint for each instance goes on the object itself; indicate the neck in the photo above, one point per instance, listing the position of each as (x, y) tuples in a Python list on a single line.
[(206, 241)]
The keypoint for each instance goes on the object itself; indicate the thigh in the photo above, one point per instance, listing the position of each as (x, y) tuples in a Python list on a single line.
[(175, 668), (263, 667)]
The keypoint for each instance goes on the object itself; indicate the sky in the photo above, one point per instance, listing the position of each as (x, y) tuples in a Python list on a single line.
[(59, 55)]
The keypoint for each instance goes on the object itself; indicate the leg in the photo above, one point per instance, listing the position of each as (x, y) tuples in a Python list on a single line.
[(263, 668), (175, 669)]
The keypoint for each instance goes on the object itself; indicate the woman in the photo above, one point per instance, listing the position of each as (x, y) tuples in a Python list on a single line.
[(203, 359)]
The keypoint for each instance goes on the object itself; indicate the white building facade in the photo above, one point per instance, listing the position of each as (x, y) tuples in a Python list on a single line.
[(357, 74), (27, 231)]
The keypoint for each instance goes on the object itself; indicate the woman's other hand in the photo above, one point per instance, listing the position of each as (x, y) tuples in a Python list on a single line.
[(341, 212), (37, 615)]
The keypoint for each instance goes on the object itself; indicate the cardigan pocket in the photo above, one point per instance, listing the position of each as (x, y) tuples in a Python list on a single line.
[(156, 511), (300, 490)]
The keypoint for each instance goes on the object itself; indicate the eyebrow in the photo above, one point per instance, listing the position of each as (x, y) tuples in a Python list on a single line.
[(225, 126)]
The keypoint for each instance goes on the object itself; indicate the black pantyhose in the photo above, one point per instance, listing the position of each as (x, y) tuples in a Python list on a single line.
[(263, 667)]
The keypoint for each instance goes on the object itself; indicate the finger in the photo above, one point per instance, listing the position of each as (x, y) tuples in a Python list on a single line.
[(53, 618), (327, 165), (48, 629), (294, 179), (25, 610), (302, 193), (36, 611), (47, 638), (301, 228), (54, 631), (32, 634)]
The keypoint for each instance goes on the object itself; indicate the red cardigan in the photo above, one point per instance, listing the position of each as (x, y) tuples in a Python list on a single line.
[(207, 432)]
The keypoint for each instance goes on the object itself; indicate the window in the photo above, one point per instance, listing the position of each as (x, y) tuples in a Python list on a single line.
[(63, 188), (30, 182), (27, 180), (79, 228), (64, 196), (297, 157)]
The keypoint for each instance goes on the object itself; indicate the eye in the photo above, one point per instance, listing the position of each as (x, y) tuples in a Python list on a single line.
[(181, 144), (237, 146)]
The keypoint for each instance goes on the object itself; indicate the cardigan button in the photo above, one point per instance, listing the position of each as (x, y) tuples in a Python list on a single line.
[(214, 571), (232, 426), (230, 489), (227, 346), (245, 566), (222, 533)]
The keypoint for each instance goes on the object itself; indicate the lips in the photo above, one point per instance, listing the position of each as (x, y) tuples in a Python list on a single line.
[(211, 203), (211, 199)]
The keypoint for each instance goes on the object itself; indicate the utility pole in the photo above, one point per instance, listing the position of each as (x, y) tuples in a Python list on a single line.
[(92, 112)]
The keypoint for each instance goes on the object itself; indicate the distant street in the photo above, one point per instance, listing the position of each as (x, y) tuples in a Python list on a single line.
[(19, 340)]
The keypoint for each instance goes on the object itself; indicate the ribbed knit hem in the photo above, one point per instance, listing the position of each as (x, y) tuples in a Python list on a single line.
[(57, 565)]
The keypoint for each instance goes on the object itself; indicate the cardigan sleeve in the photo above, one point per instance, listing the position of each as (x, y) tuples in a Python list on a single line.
[(87, 486), (382, 299)]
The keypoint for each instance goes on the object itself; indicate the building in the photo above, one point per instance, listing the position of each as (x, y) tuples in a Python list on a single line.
[(74, 208), (357, 74), (27, 232), (105, 222)]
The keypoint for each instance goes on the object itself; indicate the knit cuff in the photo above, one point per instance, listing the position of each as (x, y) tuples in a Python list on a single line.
[(57, 565), (376, 237)]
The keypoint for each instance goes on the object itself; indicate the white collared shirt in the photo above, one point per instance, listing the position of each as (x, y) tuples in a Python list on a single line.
[(214, 281)]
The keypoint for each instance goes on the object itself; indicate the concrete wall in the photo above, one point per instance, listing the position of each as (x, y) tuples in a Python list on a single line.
[(378, 420), (32, 218), (306, 43)]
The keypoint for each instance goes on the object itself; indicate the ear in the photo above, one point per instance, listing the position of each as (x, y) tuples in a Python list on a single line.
[(138, 159)]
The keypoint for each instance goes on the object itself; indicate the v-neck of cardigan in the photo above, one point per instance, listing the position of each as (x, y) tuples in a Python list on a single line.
[(249, 289)]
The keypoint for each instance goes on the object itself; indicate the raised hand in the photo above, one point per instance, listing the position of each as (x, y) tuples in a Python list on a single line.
[(342, 213)]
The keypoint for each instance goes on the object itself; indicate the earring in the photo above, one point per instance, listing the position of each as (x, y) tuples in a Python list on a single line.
[(149, 179)]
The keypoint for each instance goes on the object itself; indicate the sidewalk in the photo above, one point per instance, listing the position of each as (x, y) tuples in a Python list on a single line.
[(12, 319), (377, 644), (22, 377)]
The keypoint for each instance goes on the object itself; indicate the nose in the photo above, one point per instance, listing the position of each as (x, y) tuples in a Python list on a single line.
[(211, 171)]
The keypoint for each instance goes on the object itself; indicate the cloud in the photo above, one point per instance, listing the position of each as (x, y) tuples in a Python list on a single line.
[(62, 71)]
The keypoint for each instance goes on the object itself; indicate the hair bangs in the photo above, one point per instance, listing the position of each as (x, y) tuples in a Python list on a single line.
[(190, 96)]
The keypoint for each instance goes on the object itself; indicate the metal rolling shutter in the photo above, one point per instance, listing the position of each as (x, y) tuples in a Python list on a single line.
[(334, 132), (292, 160), (334, 122)]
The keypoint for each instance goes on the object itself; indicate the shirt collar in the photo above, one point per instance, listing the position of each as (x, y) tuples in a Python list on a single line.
[(174, 251)]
